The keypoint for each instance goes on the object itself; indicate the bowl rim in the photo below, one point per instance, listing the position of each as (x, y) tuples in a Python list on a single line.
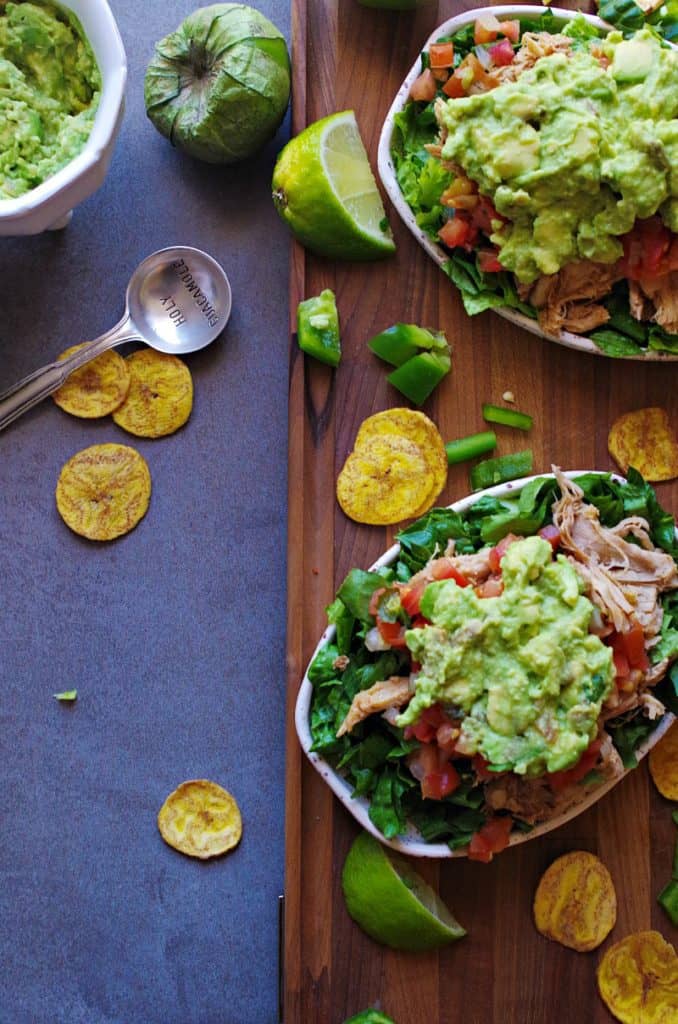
[(358, 806), (387, 174), (105, 125)]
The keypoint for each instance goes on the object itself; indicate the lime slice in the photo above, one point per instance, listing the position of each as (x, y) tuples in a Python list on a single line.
[(324, 189), (391, 902)]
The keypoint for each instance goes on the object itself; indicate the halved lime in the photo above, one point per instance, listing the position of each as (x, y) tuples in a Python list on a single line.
[(391, 902), (324, 189)]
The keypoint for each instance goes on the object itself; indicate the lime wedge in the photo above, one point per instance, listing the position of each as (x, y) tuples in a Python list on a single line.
[(391, 902), (324, 189), (370, 1017)]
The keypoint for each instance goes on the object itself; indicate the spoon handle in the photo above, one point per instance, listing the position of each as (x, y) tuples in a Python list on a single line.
[(43, 382)]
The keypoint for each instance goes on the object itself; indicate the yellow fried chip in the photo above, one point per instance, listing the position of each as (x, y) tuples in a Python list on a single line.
[(104, 491), (663, 762), (396, 470), (638, 979), (575, 903), (160, 396), (419, 429), (97, 388), (200, 819), (643, 439)]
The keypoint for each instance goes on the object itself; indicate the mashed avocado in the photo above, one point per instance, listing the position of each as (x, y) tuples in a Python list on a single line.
[(49, 92), (522, 669), (573, 152)]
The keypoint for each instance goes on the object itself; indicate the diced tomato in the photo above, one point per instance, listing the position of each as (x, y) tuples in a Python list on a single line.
[(418, 622), (561, 780), (446, 738), (486, 29), (424, 87), (443, 569), (498, 552), (434, 715), (480, 767), (423, 761), (649, 250), (456, 232), (551, 533), (421, 731), (493, 586), (488, 261), (483, 215), (392, 633), (633, 645), (621, 664), (491, 838), (510, 29), (454, 86), (441, 55), (437, 785), (411, 595), (428, 723), (502, 53), (479, 73)]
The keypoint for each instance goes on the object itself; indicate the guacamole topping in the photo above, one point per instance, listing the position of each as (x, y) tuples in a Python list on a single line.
[(49, 92), (573, 151), (521, 670)]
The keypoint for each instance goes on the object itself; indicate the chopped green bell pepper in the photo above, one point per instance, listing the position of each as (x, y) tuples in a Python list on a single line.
[(470, 447), (668, 899), (417, 378), (400, 342), (318, 328), (501, 469), (421, 357)]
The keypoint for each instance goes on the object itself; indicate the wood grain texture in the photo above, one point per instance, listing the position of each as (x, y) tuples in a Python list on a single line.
[(347, 56)]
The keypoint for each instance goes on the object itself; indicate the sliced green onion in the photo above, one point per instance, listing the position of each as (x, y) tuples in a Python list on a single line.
[(501, 469), (507, 417), (668, 899), (470, 447), (66, 695)]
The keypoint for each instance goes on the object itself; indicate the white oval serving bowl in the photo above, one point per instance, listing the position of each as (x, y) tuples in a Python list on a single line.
[(49, 204), (390, 182), (411, 842)]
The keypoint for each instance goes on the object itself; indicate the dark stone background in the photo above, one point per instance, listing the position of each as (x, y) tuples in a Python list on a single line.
[(173, 635)]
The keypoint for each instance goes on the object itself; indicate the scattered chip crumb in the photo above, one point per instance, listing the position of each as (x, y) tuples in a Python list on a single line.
[(508, 396)]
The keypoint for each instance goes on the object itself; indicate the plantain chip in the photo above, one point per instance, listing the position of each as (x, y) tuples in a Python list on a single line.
[(97, 388), (643, 439), (160, 396), (663, 762), (396, 470), (104, 491), (575, 903), (200, 819), (638, 979)]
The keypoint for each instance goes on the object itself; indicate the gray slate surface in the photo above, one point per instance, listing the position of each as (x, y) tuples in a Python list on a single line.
[(173, 635)]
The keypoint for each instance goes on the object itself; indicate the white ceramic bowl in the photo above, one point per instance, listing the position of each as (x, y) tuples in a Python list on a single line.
[(411, 842), (389, 180), (50, 203)]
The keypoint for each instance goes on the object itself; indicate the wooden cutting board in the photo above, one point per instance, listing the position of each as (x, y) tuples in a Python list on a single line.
[(504, 972)]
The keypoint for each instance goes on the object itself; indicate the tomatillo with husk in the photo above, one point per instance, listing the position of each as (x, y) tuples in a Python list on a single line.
[(219, 86)]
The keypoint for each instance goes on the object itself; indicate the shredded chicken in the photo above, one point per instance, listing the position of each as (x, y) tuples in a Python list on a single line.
[(534, 46), (388, 693), (534, 800), (663, 294), (624, 579), (639, 305), (566, 300)]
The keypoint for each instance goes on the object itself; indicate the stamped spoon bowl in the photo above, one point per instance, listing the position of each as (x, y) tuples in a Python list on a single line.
[(178, 300)]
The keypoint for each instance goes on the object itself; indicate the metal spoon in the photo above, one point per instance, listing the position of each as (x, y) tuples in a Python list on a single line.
[(178, 300)]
